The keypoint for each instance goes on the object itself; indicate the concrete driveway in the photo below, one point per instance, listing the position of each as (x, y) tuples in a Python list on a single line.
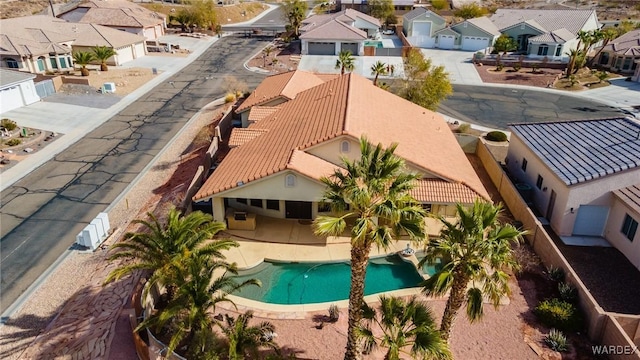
[(458, 64), (326, 64), (622, 94)]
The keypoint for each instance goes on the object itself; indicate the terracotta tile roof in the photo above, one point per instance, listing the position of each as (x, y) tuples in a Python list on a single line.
[(258, 113), (436, 191), (241, 136), (334, 30), (545, 20), (287, 84), (630, 196), (348, 105), (310, 166)]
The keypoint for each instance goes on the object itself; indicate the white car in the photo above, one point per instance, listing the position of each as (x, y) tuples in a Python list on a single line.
[(388, 32)]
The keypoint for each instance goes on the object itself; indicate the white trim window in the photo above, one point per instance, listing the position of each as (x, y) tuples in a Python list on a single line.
[(290, 180)]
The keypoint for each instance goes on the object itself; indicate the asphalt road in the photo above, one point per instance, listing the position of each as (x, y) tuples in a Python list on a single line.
[(496, 107), (42, 213)]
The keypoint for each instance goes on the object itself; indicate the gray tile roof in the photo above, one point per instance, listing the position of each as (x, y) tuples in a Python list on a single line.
[(627, 44), (579, 151), (549, 20), (418, 12), (559, 36), (10, 77)]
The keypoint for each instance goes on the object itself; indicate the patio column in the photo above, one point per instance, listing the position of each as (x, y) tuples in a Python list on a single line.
[(218, 209)]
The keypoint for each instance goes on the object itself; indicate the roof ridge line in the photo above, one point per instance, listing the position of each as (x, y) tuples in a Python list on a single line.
[(99, 33), (347, 108)]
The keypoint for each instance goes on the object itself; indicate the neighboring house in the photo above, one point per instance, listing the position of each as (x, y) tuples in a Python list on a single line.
[(420, 26), (585, 177), (636, 75), (16, 90), (545, 33), (622, 54), (39, 43), (474, 34), (328, 34), (275, 165), (120, 15), (400, 6)]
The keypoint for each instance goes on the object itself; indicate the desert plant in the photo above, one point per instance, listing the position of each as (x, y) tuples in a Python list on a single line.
[(464, 128), (8, 124), (568, 292), (83, 58), (13, 142), (439, 4), (517, 66), (345, 62), (103, 54), (535, 68), (498, 136), (556, 341), (499, 66), (558, 314), (554, 274), (573, 80), (230, 97), (334, 313), (602, 76)]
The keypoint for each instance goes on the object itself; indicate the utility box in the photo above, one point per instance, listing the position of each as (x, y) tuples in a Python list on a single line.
[(108, 88), (104, 218), (88, 237)]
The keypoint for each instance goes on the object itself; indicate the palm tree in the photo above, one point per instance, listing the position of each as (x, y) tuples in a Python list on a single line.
[(189, 316), (377, 69), (103, 54), (83, 58), (407, 327), (163, 248), (606, 36), (375, 188), (244, 338), (266, 52), (345, 61), (476, 249), (574, 56)]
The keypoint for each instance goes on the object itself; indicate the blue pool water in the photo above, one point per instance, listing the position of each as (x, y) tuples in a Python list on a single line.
[(308, 283), (375, 43)]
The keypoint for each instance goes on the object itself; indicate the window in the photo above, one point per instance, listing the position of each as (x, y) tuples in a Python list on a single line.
[(524, 165), (324, 207), (12, 63), (558, 50), (629, 227), (290, 180), (627, 64), (63, 62), (344, 146), (54, 64), (604, 59), (241, 201), (40, 63), (427, 207), (539, 182), (543, 50), (273, 204), (256, 203)]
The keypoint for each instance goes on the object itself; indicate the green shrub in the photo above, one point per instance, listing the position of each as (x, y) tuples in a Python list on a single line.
[(558, 314), (568, 293), (464, 128), (14, 142), (556, 341), (499, 67), (230, 97), (555, 274), (8, 124), (439, 4), (498, 136), (517, 67)]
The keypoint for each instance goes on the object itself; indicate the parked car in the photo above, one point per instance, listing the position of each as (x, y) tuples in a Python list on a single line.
[(388, 32)]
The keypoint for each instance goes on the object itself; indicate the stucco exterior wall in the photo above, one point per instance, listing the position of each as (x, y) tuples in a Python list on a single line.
[(612, 231), (273, 187), (28, 91)]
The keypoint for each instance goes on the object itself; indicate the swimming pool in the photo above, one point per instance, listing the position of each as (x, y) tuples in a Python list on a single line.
[(375, 43), (309, 283)]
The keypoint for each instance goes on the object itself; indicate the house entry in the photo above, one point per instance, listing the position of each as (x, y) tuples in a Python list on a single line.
[(298, 210)]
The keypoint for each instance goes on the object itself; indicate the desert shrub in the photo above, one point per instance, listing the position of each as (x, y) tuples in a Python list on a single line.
[(602, 76), (517, 67), (13, 142), (8, 124), (534, 68), (556, 341), (439, 4), (558, 314), (334, 313), (555, 274), (568, 293), (464, 128), (498, 136), (499, 67), (230, 97)]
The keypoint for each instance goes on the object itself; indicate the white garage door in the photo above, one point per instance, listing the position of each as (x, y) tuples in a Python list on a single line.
[(446, 41), (321, 48), (139, 50), (125, 54), (590, 220), (421, 28), (471, 43), (10, 99)]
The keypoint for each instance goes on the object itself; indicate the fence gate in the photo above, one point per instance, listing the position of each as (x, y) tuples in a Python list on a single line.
[(45, 88)]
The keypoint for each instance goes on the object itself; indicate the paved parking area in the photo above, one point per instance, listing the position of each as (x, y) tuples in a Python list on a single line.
[(326, 64), (458, 64)]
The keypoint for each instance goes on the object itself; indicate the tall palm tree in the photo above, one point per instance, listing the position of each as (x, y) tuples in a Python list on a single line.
[(477, 250), (83, 58), (266, 52), (345, 61), (407, 327), (190, 314), (606, 35), (163, 248), (375, 188), (377, 69), (103, 54), (574, 56), (245, 339)]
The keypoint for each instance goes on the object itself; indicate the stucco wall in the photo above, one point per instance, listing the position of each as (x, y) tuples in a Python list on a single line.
[(612, 231), (273, 187), (29, 94)]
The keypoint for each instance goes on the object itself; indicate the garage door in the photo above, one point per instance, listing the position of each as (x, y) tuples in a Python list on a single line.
[(421, 28), (590, 220), (319, 48), (353, 47), (446, 41), (470, 43), (139, 48), (10, 99), (125, 54)]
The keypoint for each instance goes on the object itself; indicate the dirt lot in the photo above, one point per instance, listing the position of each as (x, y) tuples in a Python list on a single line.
[(126, 80), (284, 57), (542, 77)]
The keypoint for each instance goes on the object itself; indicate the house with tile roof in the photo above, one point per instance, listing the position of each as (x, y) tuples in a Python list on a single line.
[(120, 15), (328, 34), (40, 43), (584, 177), (545, 33), (420, 26), (275, 164), (400, 6), (621, 54)]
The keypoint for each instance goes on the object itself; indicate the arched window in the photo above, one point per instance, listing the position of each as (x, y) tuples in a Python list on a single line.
[(40, 63), (12, 63), (290, 180), (345, 146)]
